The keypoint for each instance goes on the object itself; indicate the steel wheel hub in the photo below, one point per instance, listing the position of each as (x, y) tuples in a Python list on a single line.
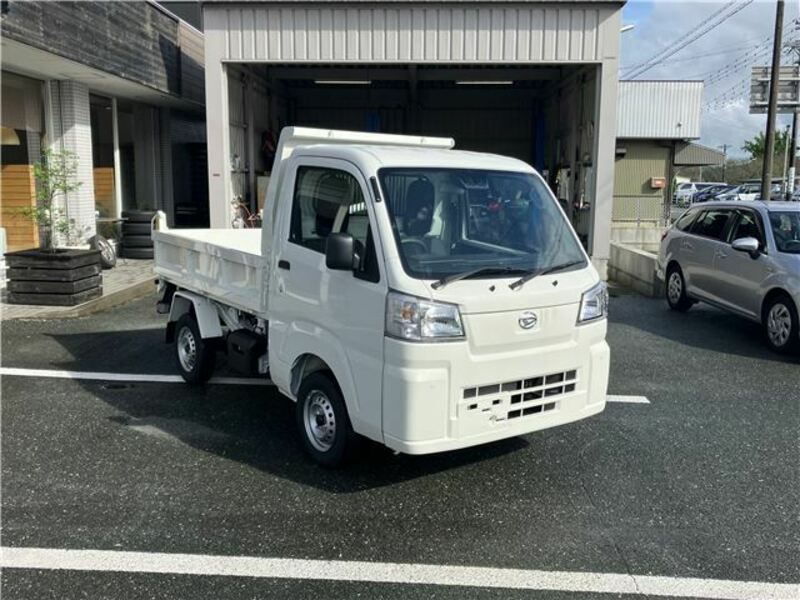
[(779, 324), (319, 420), (675, 287), (187, 349)]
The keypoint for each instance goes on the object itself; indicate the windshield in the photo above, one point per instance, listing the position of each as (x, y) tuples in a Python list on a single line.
[(786, 230), (449, 221)]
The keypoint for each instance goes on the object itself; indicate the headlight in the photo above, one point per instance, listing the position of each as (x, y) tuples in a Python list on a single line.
[(418, 320), (594, 304)]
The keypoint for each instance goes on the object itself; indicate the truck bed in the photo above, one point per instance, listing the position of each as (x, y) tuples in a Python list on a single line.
[(222, 264)]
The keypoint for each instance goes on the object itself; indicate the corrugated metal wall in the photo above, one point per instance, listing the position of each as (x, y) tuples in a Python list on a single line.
[(491, 33), (634, 199), (659, 109)]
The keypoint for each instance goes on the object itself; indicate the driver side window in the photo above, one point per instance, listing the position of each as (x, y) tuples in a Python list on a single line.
[(747, 226)]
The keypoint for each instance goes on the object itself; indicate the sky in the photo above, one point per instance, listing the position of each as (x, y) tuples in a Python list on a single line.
[(723, 58)]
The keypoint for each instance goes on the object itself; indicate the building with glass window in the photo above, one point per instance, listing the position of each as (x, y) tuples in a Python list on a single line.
[(120, 85)]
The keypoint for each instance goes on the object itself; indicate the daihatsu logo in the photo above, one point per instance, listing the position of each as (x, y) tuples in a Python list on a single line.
[(528, 320)]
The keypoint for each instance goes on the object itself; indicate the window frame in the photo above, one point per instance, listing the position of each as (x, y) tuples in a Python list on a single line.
[(338, 165), (759, 223), (725, 230)]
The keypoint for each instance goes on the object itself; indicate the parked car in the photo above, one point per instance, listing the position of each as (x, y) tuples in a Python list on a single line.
[(740, 256), (748, 192), (686, 191), (426, 298), (711, 192)]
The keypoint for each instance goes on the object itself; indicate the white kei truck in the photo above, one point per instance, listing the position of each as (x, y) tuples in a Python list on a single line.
[(426, 298)]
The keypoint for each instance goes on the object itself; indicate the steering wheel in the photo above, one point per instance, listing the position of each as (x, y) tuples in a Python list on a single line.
[(791, 243), (420, 246)]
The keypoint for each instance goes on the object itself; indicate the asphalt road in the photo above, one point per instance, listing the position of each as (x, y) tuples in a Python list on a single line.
[(702, 482)]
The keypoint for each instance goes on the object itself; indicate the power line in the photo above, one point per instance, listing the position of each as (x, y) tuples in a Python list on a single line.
[(714, 20)]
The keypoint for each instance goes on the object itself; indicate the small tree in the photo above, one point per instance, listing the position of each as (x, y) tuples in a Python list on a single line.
[(55, 174)]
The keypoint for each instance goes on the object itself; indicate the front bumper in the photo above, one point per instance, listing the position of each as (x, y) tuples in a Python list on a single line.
[(439, 397)]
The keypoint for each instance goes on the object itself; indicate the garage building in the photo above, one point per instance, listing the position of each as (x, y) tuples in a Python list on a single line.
[(534, 80)]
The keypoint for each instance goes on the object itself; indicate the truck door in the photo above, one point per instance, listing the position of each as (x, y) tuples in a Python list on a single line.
[(339, 312)]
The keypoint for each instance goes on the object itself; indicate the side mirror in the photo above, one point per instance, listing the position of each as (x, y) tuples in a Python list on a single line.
[(339, 252), (747, 244)]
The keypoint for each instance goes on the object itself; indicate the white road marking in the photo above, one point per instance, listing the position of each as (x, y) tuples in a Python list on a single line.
[(403, 573), (143, 377), (628, 399), (99, 376)]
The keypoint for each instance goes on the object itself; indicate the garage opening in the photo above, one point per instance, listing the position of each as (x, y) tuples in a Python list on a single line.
[(543, 115)]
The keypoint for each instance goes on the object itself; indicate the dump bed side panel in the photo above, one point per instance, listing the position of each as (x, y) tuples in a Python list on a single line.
[(222, 264)]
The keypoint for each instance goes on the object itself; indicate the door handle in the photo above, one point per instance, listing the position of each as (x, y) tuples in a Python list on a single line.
[(284, 264), (721, 254)]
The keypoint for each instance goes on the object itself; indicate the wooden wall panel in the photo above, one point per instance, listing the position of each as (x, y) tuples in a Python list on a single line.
[(17, 191), (104, 190)]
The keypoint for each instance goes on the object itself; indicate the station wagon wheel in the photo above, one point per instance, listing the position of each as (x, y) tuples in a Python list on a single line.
[(781, 325), (676, 290), (194, 356), (322, 421)]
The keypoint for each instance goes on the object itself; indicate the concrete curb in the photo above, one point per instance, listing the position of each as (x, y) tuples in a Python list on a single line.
[(104, 302)]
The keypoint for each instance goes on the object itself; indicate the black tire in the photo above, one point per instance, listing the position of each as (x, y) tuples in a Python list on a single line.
[(781, 325), (188, 343), (334, 447), (136, 229), (137, 252), (675, 290), (108, 254), (137, 241), (138, 216)]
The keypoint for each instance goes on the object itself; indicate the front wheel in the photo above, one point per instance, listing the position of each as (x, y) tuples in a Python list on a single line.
[(676, 290), (194, 356), (781, 326), (323, 423)]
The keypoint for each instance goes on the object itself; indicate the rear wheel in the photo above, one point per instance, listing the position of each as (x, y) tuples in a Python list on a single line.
[(322, 420), (676, 290), (194, 356), (781, 325)]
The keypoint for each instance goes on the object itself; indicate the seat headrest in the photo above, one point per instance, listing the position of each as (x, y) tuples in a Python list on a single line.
[(419, 207)]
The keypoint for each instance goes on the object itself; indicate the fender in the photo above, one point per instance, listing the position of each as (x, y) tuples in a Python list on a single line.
[(305, 338), (204, 311)]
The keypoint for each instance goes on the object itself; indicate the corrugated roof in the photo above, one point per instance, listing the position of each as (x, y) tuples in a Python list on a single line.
[(617, 2), (659, 109), (695, 155)]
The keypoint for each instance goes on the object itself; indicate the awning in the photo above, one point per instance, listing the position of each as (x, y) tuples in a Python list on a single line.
[(689, 154)]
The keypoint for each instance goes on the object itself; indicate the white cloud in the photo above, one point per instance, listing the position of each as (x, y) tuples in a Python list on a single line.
[(723, 58)]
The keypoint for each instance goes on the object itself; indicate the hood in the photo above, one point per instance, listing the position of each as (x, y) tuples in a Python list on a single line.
[(492, 294)]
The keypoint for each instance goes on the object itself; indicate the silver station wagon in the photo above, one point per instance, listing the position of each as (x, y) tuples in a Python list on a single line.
[(739, 256)]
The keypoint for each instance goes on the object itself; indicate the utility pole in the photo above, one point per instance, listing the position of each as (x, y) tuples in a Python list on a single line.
[(792, 157), (784, 183), (724, 162), (769, 146), (793, 143)]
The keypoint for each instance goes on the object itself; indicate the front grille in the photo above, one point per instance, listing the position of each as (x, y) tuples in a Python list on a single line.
[(524, 397)]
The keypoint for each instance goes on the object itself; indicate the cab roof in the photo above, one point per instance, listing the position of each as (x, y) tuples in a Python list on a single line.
[(374, 157)]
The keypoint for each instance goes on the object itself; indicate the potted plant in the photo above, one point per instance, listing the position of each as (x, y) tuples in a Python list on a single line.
[(53, 274)]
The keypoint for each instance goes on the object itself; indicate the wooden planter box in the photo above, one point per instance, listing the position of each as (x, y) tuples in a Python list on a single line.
[(60, 278)]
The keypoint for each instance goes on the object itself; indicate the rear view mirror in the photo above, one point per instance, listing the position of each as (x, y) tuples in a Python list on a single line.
[(339, 252), (747, 244)]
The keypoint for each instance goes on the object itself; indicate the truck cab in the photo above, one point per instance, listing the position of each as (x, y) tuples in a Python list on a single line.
[(423, 297)]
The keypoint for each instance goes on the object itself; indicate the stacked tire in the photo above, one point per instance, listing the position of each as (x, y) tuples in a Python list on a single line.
[(136, 231)]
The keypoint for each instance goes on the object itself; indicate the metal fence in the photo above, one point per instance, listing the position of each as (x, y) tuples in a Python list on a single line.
[(638, 209)]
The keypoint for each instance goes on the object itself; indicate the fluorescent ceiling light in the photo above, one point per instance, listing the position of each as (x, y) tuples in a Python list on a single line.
[(484, 83), (342, 81)]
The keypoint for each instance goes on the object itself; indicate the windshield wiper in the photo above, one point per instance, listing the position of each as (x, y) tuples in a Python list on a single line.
[(472, 273), (526, 278)]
